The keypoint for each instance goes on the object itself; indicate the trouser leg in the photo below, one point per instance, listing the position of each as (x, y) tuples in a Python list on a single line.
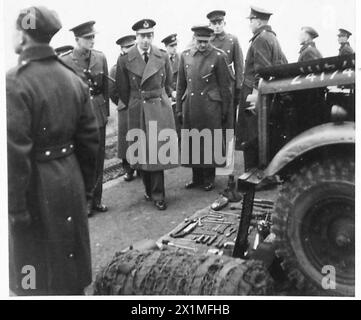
[(146, 182), (157, 185), (197, 175), (127, 167), (98, 189), (209, 175)]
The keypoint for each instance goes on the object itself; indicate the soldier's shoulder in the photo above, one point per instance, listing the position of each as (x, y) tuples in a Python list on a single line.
[(231, 37), (219, 52), (98, 54)]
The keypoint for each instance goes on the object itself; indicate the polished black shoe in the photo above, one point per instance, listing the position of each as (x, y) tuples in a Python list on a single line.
[(161, 205), (147, 197), (100, 208), (208, 187), (192, 185), (128, 177)]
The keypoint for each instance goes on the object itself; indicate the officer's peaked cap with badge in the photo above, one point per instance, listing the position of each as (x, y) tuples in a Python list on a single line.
[(46, 23), (216, 15), (259, 13), (344, 33), (126, 41), (170, 40), (85, 29), (202, 32), (311, 31), (144, 26)]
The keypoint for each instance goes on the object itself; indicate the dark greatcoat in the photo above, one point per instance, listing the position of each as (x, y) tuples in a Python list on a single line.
[(345, 49), (52, 146), (203, 96), (264, 51), (174, 63), (122, 116), (145, 90), (309, 52), (230, 45)]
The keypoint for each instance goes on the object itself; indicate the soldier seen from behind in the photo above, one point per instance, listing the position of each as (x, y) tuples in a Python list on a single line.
[(53, 143)]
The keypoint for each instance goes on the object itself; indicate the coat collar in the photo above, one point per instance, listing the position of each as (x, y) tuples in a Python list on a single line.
[(266, 28), (220, 36), (193, 51), (306, 45), (38, 52), (139, 67)]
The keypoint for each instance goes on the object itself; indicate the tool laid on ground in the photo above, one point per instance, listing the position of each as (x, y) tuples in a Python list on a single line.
[(212, 240), (168, 243), (230, 232)]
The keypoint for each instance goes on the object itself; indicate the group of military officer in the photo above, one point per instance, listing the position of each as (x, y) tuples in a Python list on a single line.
[(57, 111)]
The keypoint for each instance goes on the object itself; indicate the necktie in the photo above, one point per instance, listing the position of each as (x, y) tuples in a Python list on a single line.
[(146, 57)]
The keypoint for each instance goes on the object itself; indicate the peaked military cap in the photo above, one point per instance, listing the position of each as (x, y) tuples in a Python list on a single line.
[(344, 33), (46, 21), (126, 41), (202, 32), (63, 49), (216, 15), (259, 13), (170, 40), (311, 31), (85, 29), (144, 26)]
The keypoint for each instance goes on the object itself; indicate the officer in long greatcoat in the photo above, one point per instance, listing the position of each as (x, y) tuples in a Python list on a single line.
[(171, 44), (125, 43), (308, 47), (52, 147), (230, 45), (144, 80), (264, 51), (91, 65), (343, 39), (204, 101)]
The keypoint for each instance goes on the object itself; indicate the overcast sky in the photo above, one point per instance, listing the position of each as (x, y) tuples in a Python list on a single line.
[(115, 19)]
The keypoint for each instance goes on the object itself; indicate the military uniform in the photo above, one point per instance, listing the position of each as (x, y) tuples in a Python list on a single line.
[(309, 52), (264, 51), (345, 49), (145, 88), (93, 64), (125, 43), (52, 146), (204, 100)]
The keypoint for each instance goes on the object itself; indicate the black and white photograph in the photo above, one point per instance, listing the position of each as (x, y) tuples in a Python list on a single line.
[(156, 149)]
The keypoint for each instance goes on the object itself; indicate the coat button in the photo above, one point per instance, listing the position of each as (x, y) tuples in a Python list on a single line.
[(44, 129), (69, 219), (71, 146), (212, 65), (202, 93), (63, 150), (47, 153), (71, 255), (192, 94), (91, 98), (228, 51), (190, 80), (144, 101)]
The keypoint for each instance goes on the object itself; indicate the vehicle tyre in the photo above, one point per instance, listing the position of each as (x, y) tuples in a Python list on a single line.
[(314, 225)]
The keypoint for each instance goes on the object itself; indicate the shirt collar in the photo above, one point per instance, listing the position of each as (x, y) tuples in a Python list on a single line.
[(141, 52), (38, 52)]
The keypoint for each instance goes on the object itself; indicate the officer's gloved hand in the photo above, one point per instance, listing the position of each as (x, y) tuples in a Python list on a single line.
[(180, 117), (20, 221)]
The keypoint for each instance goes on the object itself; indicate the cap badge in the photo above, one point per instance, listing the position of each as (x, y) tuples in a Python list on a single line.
[(145, 25)]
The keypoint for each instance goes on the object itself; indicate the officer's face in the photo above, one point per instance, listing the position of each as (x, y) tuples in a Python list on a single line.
[(254, 24), (342, 39), (304, 37), (144, 40), (86, 42), (202, 45), (172, 50), (126, 49), (217, 26)]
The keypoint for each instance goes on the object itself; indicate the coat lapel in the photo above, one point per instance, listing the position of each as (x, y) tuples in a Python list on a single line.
[(93, 60), (136, 63), (154, 64)]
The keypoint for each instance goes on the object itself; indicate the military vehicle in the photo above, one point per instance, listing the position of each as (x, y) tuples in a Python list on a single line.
[(306, 138)]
